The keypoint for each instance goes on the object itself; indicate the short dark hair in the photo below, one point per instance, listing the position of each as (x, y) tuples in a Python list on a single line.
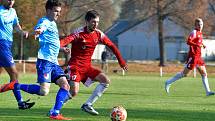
[(91, 14), (52, 3)]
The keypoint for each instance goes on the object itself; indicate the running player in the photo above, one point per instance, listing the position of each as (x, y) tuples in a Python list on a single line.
[(194, 59), (84, 41), (8, 22), (48, 69)]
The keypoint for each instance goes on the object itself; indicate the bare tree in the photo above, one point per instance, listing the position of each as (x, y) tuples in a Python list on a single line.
[(181, 11), (29, 11)]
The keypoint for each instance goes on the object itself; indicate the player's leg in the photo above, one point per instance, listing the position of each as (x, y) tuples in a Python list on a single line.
[(74, 89), (98, 92), (44, 70), (73, 78), (6, 61), (203, 72), (13, 77), (63, 94), (191, 63), (178, 76)]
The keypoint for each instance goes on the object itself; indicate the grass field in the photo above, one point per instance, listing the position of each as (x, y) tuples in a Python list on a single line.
[(143, 96)]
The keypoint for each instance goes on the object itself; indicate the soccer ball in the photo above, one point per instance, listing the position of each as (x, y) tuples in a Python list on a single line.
[(118, 113)]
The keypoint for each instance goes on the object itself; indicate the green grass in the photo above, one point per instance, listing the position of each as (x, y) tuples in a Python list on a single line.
[(143, 96)]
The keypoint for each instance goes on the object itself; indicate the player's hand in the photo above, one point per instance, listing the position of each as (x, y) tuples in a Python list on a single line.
[(25, 34), (125, 67), (66, 50), (203, 46)]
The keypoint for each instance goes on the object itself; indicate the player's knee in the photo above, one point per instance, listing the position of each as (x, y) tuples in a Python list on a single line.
[(65, 86), (44, 91), (63, 83)]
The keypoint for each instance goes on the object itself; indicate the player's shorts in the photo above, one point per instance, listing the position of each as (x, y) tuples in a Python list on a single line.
[(193, 61), (6, 57), (86, 77), (48, 72)]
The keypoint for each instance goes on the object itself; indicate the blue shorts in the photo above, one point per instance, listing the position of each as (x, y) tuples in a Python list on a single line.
[(48, 72), (6, 57)]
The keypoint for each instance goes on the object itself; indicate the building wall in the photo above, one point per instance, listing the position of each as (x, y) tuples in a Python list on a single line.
[(98, 52), (141, 41)]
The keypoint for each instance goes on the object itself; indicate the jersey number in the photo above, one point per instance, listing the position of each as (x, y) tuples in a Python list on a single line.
[(74, 77)]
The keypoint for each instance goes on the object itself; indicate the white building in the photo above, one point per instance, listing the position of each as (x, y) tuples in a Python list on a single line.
[(138, 40)]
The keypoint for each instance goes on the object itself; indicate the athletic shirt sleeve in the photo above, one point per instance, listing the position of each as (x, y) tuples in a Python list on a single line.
[(68, 39), (42, 23), (16, 19), (106, 41)]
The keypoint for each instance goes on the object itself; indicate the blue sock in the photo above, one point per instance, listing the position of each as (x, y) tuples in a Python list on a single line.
[(62, 95), (29, 88), (17, 95)]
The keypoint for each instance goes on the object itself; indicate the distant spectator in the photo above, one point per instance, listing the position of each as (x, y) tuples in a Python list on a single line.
[(104, 64)]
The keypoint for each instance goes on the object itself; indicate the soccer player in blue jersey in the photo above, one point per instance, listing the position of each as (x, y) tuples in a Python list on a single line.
[(48, 69), (8, 22)]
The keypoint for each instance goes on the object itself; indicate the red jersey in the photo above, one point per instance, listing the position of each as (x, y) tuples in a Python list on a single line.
[(83, 45), (195, 42)]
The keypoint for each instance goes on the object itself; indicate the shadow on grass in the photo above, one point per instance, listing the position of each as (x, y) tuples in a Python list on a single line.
[(39, 114)]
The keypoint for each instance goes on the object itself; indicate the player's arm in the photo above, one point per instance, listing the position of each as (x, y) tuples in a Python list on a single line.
[(38, 31), (68, 39), (40, 28), (18, 28), (203, 45), (112, 46), (65, 50)]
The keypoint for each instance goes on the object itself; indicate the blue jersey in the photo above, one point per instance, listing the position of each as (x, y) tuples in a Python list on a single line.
[(49, 40), (8, 18)]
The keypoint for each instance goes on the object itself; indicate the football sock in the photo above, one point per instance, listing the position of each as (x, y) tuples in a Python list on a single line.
[(67, 98), (29, 88), (206, 84), (178, 76), (60, 98), (17, 95), (99, 90)]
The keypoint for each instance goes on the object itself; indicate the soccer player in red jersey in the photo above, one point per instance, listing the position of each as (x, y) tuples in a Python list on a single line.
[(84, 41), (194, 59)]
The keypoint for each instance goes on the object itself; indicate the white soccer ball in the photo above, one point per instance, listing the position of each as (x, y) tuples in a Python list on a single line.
[(118, 113)]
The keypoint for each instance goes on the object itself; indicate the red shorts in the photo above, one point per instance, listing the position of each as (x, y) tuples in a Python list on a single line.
[(193, 61), (78, 75)]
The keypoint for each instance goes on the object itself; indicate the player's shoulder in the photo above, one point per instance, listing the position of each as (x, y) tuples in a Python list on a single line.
[(193, 33), (44, 20)]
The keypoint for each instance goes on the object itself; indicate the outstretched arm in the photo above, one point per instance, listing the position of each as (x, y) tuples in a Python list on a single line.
[(115, 50), (65, 41), (18, 28)]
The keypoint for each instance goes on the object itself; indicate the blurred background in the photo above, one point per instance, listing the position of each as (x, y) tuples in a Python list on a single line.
[(143, 30)]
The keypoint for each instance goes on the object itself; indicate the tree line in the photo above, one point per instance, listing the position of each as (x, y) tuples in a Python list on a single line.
[(73, 11)]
